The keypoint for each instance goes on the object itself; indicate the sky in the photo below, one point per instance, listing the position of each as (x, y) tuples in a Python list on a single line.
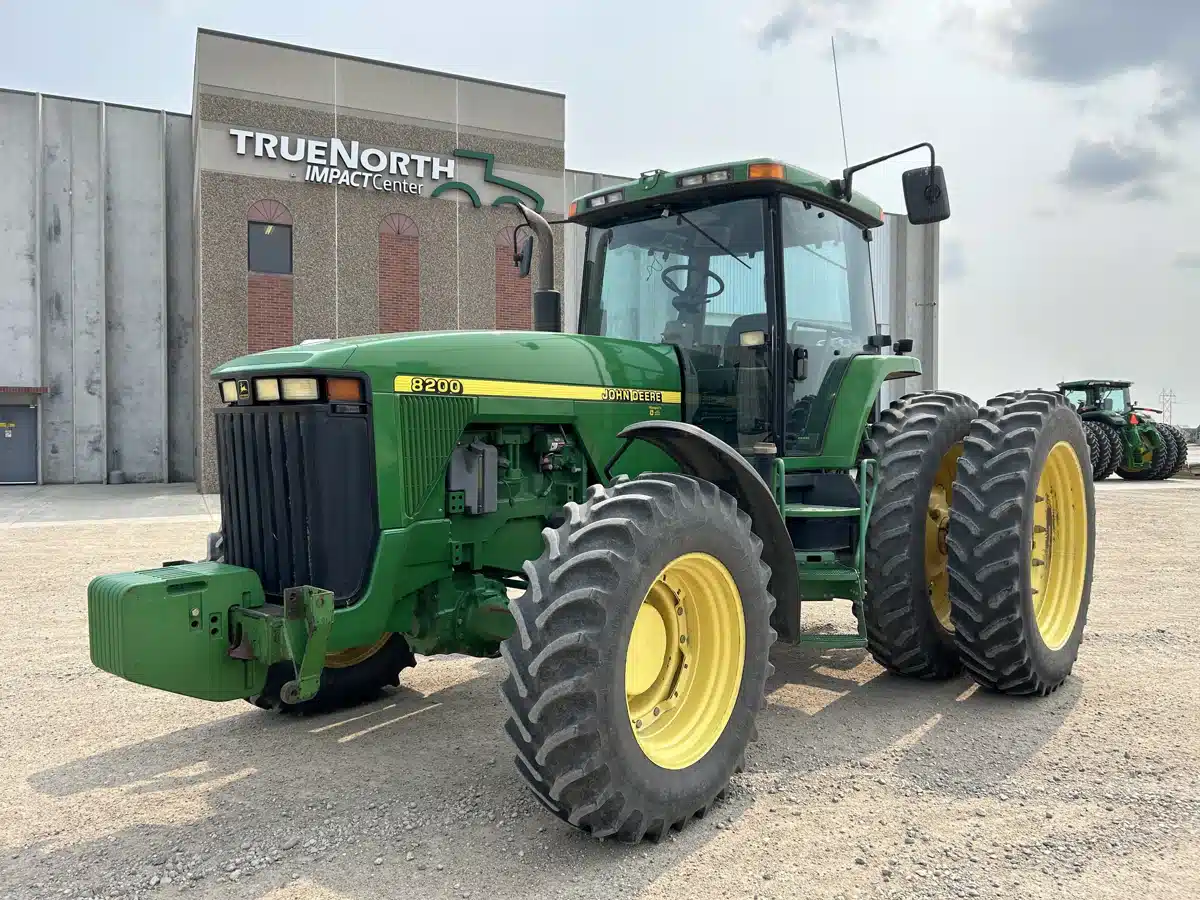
[(1069, 252)]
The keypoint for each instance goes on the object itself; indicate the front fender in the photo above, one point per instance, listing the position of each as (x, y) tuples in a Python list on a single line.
[(699, 454)]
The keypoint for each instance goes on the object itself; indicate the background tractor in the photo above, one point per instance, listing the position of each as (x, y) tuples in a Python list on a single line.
[(662, 492), (1123, 437)]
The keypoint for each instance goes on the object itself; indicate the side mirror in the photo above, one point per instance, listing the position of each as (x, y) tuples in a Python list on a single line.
[(925, 197), (799, 364), (523, 259)]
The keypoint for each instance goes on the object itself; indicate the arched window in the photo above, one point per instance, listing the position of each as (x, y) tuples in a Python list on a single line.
[(514, 296), (399, 284), (269, 280)]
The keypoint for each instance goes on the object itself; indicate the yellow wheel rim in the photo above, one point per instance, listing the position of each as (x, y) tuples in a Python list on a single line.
[(937, 525), (1058, 551), (683, 668), (352, 656)]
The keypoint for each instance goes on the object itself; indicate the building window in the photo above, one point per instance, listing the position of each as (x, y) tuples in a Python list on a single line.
[(269, 238), (269, 300)]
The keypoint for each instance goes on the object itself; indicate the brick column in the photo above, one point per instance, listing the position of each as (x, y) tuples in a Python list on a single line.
[(514, 297), (269, 309), (399, 275)]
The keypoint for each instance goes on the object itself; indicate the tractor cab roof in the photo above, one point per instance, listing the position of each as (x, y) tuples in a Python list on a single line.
[(1092, 383), (688, 188)]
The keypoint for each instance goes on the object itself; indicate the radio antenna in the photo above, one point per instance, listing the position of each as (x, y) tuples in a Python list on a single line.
[(846, 156), (838, 84)]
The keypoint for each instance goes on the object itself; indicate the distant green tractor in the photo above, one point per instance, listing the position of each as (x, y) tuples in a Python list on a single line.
[(1123, 437), (662, 491)]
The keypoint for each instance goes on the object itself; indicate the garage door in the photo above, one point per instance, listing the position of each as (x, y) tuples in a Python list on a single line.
[(18, 445)]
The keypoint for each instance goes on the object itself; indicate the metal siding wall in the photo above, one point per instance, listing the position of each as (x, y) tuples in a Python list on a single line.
[(97, 293), (136, 298), (181, 304), (18, 241)]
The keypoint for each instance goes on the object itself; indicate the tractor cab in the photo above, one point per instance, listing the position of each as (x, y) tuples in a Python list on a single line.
[(1098, 396), (759, 274)]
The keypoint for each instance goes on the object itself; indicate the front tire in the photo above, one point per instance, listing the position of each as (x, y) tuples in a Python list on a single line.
[(1022, 541), (350, 677), (634, 742)]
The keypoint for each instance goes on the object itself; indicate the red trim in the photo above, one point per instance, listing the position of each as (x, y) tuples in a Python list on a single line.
[(22, 390)]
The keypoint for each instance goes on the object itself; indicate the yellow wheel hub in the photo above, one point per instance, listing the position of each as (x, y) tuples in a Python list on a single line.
[(352, 656), (1058, 552), (937, 526), (683, 668)]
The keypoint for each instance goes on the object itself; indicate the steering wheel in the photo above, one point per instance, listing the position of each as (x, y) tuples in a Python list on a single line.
[(691, 294)]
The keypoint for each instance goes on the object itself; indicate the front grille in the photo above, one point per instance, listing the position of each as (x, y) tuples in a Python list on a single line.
[(298, 496)]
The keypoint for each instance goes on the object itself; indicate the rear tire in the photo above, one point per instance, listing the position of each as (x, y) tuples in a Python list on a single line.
[(1100, 447), (569, 664), (1025, 463), (1181, 449), (1116, 450), (907, 609), (1161, 460)]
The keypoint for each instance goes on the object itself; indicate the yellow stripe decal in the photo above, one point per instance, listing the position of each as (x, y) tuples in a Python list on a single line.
[(481, 387)]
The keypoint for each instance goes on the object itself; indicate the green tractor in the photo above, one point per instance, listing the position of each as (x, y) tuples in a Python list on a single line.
[(1123, 437), (631, 515)]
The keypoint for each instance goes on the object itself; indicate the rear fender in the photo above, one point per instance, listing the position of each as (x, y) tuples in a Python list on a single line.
[(700, 455)]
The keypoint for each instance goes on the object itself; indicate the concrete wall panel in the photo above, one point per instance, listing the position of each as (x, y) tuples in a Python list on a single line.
[(87, 284), (181, 304), (511, 111), (19, 365), (72, 293), (57, 295), (263, 68), (136, 294), (383, 89)]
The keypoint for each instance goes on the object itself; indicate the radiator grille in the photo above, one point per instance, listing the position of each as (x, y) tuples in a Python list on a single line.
[(297, 496)]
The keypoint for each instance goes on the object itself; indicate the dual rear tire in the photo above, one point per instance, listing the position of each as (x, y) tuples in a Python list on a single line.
[(982, 539)]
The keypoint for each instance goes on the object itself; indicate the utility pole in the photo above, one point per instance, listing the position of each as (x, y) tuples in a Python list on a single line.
[(1166, 399)]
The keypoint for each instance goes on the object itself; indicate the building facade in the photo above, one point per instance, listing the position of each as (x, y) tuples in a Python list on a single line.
[(307, 195)]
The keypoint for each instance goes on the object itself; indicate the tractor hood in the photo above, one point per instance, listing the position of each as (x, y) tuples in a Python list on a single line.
[(535, 358)]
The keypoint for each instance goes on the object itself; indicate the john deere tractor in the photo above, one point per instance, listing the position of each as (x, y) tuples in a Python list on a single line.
[(631, 515), (1123, 437)]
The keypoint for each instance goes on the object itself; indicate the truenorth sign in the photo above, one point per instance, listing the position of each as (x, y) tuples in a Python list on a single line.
[(335, 161), (347, 162)]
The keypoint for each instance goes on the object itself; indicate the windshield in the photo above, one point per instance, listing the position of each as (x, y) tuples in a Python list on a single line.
[(680, 279), (1114, 399), (697, 279)]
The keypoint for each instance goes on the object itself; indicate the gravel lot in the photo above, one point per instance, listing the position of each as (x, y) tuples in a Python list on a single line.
[(862, 785)]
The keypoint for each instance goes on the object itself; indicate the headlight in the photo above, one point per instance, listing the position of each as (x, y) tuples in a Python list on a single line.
[(229, 391), (300, 389), (266, 389)]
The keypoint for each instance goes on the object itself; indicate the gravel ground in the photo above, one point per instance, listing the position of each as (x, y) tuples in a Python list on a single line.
[(861, 786)]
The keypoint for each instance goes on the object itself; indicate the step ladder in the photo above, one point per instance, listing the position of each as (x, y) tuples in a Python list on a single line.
[(822, 576)]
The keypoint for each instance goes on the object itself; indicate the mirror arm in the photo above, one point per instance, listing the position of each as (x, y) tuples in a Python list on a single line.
[(842, 187)]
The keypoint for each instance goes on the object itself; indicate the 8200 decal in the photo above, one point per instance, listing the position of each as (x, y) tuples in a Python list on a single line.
[(422, 385)]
